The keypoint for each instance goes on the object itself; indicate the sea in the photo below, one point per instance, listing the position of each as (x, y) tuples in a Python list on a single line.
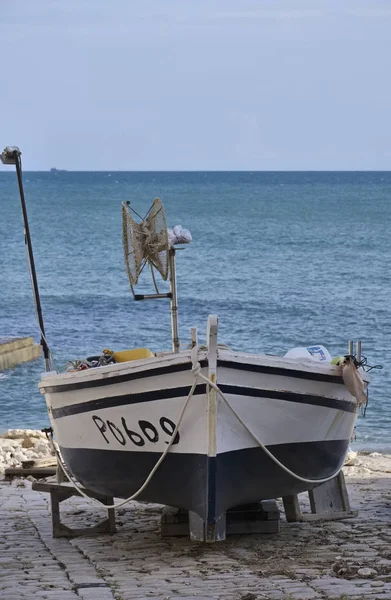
[(285, 259)]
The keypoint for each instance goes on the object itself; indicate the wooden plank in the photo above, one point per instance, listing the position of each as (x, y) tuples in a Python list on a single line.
[(251, 527), (292, 509), (62, 491), (51, 461), (330, 497), (66, 489), (233, 528), (257, 518), (329, 516), (37, 472), (328, 501)]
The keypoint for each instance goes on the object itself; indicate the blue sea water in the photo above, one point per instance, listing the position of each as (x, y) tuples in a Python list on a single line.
[(284, 258)]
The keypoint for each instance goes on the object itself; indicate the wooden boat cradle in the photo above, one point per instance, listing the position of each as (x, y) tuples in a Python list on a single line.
[(328, 501)]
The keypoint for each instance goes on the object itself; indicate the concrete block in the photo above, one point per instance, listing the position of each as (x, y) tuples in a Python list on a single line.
[(18, 350)]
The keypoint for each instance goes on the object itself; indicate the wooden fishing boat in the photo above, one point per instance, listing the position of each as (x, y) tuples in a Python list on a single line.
[(113, 423)]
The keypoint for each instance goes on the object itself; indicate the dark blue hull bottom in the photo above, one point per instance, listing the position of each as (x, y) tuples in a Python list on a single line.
[(206, 486)]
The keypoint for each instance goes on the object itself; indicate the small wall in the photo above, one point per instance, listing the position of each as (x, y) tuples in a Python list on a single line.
[(18, 350)]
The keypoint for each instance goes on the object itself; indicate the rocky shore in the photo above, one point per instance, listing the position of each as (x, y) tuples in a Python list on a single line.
[(17, 445)]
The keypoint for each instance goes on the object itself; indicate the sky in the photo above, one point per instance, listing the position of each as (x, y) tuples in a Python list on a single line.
[(202, 85)]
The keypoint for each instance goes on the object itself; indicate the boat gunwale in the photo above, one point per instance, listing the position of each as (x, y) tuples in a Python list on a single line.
[(58, 383), (171, 363)]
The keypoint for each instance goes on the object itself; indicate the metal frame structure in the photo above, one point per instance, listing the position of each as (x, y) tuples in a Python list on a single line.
[(172, 295), (133, 279)]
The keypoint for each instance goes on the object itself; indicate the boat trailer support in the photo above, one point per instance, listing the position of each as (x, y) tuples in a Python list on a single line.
[(259, 517), (60, 492), (329, 502)]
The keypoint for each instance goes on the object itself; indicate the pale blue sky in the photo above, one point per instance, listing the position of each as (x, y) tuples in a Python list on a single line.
[(218, 84)]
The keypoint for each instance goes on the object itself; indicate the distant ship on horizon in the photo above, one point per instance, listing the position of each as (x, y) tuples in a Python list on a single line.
[(55, 170)]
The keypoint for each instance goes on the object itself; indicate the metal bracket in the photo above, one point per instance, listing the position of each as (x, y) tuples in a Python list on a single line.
[(151, 296)]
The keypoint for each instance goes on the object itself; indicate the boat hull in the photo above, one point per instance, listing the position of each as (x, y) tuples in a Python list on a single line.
[(113, 425), (238, 477)]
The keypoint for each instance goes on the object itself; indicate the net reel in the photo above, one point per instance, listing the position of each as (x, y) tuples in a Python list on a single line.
[(147, 242)]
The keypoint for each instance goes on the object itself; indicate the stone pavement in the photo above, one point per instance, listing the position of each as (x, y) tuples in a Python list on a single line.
[(349, 559)]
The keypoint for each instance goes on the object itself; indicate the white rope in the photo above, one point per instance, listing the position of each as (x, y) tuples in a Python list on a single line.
[(196, 372)]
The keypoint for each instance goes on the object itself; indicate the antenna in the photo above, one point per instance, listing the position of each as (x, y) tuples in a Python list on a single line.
[(11, 156)]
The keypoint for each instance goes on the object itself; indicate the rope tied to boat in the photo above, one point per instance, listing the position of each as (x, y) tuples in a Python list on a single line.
[(196, 371), (196, 365)]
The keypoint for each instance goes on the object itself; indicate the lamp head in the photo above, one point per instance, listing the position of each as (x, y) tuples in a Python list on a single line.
[(10, 155)]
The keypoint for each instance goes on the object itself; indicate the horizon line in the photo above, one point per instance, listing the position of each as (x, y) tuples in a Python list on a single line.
[(205, 170)]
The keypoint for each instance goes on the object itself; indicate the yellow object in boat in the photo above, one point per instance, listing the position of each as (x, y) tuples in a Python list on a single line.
[(336, 360), (135, 354)]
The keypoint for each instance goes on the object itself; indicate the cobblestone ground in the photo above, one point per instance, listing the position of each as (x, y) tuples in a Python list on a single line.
[(349, 559)]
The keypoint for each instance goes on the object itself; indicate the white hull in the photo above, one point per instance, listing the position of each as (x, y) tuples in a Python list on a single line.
[(99, 417)]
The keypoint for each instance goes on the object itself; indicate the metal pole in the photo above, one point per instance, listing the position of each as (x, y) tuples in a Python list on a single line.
[(27, 238), (194, 337), (358, 351), (173, 303), (350, 348)]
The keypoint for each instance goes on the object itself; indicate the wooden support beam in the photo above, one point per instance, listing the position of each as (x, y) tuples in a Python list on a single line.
[(328, 501), (259, 517), (37, 472), (62, 491)]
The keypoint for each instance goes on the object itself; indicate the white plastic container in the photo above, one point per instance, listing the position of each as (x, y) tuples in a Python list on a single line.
[(318, 352)]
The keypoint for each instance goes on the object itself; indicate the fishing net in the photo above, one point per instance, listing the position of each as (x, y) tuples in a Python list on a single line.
[(145, 241)]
